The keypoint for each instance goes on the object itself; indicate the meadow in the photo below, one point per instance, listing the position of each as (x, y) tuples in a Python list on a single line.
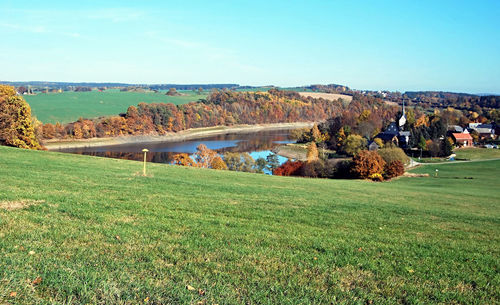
[(477, 153), (77, 229), (69, 106)]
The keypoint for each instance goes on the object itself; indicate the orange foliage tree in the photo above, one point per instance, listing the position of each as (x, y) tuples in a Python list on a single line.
[(367, 165), (394, 169), (183, 159), (289, 168)]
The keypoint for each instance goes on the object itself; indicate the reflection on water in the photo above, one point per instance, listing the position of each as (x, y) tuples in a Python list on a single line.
[(258, 144)]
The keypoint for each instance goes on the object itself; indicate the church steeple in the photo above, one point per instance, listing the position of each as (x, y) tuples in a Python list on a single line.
[(402, 119)]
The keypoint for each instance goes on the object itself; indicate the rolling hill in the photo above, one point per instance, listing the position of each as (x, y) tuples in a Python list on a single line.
[(77, 229)]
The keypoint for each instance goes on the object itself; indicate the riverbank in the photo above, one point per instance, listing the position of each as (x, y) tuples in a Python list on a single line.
[(195, 133), (297, 151)]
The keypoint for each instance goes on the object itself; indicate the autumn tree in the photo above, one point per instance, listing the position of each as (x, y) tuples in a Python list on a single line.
[(316, 134), (172, 92), (312, 152), (289, 168), (354, 144), (16, 125), (367, 164), (218, 163), (204, 156), (394, 169), (183, 159)]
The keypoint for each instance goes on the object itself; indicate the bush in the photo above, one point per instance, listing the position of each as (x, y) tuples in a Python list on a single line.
[(289, 168), (317, 169), (394, 169), (390, 154), (366, 164), (341, 168)]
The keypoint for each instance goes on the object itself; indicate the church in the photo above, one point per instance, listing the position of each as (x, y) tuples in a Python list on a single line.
[(395, 132)]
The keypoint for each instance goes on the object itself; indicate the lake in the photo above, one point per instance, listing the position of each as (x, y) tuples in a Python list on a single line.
[(257, 144)]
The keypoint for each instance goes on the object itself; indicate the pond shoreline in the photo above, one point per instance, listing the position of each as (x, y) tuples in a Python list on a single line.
[(189, 134)]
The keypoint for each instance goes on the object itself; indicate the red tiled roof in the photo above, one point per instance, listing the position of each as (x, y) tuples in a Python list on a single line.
[(462, 136)]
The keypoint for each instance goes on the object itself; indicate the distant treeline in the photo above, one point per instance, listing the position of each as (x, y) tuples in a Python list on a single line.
[(72, 85), (460, 101)]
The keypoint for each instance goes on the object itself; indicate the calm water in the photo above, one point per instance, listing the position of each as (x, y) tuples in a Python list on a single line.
[(258, 144)]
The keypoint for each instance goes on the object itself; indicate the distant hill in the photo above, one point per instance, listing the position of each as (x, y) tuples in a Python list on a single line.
[(58, 85)]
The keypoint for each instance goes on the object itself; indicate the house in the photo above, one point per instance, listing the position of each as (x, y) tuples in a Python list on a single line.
[(462, 139), (373, 146), (484, 130)]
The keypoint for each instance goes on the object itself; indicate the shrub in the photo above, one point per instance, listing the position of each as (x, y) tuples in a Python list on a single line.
[(341, 168), (317, 169), (289, 168), (367, 163), (377, 177), (394, 169), (390, 154)]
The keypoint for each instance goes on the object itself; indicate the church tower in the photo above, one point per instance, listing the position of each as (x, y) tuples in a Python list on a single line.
[(402, 119)]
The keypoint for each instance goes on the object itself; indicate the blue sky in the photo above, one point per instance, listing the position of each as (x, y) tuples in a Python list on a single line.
[(396, 45)]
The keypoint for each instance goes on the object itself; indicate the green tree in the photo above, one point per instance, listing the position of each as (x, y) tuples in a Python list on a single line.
[(239, 162), (422, 144), (272, 162), (354, 144), (260, 165), (446, 148)]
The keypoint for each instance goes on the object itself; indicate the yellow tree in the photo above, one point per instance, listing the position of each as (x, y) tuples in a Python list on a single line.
[(312, 152), (16, 124), (218, 163), (316, 134)]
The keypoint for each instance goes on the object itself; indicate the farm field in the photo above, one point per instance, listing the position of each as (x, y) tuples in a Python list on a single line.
[(68, 107), (327, 96), (77, 229)]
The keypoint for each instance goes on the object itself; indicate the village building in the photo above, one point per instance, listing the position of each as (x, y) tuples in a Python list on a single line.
[(463, 139), (373, 146), (485, 131)]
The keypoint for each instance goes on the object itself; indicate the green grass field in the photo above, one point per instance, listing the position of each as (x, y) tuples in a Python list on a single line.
[(97, 232), (477, 153), (69, 106)]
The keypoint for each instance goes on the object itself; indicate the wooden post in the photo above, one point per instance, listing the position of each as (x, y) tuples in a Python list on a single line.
[(144, 169)]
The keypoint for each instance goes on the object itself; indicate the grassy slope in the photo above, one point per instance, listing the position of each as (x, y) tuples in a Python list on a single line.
[(244, 238), (69, 106), (477, 153)]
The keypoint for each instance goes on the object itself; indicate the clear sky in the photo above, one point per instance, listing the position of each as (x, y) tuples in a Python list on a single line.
[(396, 45)]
